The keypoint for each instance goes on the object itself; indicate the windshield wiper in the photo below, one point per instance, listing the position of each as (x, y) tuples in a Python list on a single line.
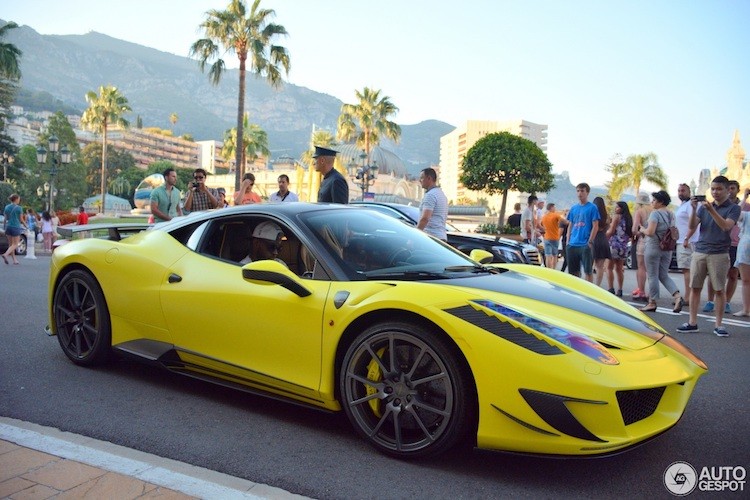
[(414, 275), (470, 269)]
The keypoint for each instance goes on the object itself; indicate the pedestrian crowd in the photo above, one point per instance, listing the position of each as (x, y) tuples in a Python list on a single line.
[(708, 239)]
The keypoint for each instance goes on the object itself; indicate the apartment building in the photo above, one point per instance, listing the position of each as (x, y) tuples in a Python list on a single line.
[(454, 145)]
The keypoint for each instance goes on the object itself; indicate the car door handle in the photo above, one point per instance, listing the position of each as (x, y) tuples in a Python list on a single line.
[(174, 278)]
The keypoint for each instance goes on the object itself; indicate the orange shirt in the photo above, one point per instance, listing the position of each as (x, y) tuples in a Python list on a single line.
[(246, 198), (551, 225)]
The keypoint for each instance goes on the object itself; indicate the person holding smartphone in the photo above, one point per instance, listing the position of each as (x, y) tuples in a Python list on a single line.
[(711, 257)]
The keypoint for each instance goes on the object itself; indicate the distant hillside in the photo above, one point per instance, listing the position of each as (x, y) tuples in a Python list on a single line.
[(564, 194), (158, 84)]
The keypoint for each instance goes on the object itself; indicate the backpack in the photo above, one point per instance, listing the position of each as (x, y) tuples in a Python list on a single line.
[(668, 241)]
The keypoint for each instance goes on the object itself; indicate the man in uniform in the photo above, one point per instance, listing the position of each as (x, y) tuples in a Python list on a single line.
[(333, 188)]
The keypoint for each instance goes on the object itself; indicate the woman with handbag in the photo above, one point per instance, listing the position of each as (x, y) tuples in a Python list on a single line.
[(657, 259)]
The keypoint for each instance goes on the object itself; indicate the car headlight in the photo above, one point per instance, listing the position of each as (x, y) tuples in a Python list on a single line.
[(509, 255), (576, 341)]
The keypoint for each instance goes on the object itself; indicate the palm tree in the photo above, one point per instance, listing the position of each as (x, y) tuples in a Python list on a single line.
[(368, 121), (319, 137), (255, 141), (9, 55), (244, 34), (173, 119), (635, 170), (104, 110), (615, 168)]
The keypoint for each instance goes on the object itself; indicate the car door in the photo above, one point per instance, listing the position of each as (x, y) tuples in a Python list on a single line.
[(255, 331)]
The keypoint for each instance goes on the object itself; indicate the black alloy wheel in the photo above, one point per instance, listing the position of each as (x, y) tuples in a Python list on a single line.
[(405, 391), (82, 320)]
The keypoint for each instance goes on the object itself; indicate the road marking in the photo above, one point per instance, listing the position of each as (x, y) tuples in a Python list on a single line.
[(708, 318)]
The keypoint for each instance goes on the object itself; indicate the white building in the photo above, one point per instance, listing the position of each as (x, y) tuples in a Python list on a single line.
[(454, 145)]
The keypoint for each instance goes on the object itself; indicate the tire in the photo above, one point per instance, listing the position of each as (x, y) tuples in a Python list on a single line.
[(82, 320), (21, 248), (404, 390)]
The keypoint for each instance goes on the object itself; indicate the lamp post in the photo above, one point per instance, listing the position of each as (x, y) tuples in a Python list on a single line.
[(41, 158), (45, 192), (363, 176), (7, 161)]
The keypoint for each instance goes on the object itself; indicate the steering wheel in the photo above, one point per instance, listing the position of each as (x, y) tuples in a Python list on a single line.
[(398, 255)]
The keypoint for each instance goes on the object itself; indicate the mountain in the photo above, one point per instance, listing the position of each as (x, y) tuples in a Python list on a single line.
[(158, 84)]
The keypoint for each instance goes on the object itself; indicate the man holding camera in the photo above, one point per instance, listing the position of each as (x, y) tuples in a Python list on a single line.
[(199, 196), (711, 256)]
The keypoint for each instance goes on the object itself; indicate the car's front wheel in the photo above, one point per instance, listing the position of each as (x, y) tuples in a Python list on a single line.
[(81, 318), (405, 390)]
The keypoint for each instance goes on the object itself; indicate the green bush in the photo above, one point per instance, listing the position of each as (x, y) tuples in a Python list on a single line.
[(487, 228)]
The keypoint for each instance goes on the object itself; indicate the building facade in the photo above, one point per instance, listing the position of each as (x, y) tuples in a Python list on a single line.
[(454, 146)]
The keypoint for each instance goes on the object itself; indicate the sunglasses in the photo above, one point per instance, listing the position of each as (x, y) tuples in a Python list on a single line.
[(198, 177), (273, 247)]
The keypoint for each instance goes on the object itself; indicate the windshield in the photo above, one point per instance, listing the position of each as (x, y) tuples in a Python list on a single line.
[(369, 245)]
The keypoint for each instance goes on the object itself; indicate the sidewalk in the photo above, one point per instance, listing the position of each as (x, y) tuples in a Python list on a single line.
[(43, 462)]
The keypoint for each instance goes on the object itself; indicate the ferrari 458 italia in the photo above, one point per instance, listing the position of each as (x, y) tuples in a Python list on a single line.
[(423, 348)]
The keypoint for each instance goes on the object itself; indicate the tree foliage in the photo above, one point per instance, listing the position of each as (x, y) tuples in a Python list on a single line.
[(368, 122), (10, 55), (70, 182), (635, 170), (248, 35), (117, 163), (255, 142), (10, 73), (502, 162), (105, 109)]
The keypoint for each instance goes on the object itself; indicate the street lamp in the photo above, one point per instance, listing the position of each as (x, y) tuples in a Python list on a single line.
[(7, 161), (363, 176), (41, 158), (44, 192)]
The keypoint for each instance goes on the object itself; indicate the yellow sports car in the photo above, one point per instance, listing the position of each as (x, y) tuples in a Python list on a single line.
[(341, 308)]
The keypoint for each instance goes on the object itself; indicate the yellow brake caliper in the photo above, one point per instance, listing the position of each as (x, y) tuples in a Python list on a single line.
[(374, 374)]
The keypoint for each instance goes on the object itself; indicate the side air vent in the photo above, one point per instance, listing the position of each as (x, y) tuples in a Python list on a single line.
[(639, 404)]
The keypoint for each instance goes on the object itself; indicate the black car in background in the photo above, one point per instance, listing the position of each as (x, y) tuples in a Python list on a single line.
[(20, 249), (632, 263), (503, 250)]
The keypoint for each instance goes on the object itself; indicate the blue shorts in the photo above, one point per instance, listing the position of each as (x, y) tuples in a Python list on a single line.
[(577, 256), (551, 247), (13, 231)]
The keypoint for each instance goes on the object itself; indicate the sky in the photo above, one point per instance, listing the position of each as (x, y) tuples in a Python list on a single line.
[(607, 77)]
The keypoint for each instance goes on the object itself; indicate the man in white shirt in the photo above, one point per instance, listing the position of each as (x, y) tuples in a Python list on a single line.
[(283, 194), (434, 206), (687, 237), (528, 221)]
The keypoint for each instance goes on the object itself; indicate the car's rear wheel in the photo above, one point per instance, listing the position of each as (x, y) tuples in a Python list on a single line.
[(81, 318), (405, 390)]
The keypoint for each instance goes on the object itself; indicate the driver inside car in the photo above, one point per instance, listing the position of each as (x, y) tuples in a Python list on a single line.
[(267, 240)]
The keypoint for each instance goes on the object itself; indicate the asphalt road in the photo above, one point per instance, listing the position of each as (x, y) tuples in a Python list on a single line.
[(318, 454)]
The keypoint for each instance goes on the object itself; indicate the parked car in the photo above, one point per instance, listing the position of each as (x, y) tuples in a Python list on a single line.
[(503, 250), (20, 249), (631, 264), (348, 310)]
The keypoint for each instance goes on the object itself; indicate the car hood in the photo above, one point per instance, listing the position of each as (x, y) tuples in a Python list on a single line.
[(568, 304), (487, 238)]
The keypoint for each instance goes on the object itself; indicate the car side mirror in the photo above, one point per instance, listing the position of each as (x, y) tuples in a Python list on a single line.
[(274, 272), (481, 256)]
